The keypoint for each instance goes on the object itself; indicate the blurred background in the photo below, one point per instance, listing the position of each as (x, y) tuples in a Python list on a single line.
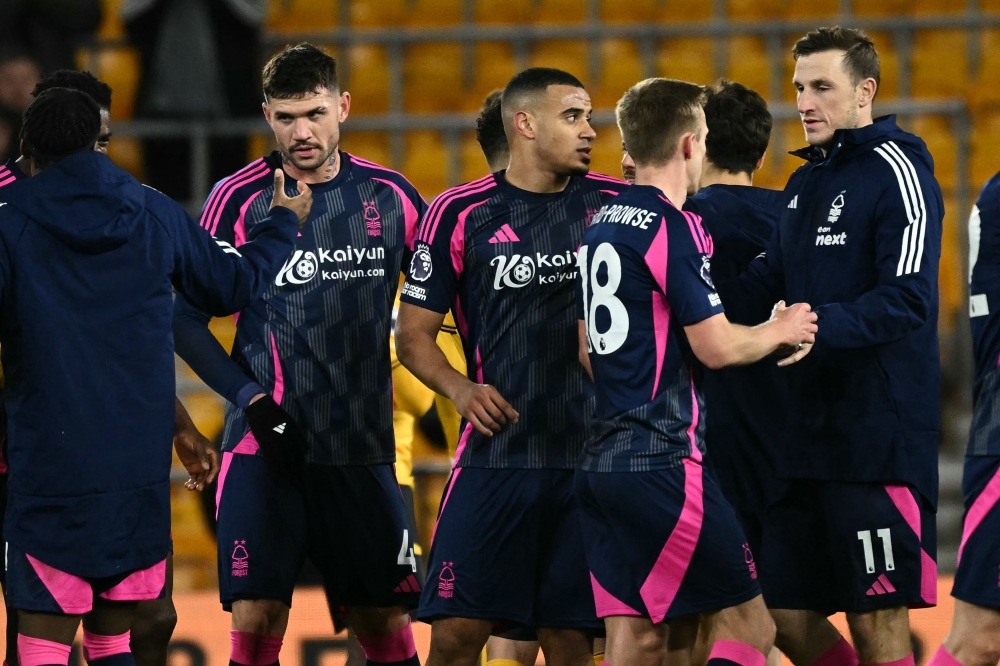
[(186, 112)]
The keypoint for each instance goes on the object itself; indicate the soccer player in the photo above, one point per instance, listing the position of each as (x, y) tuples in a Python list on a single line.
[(974, 639), (308, 462), (650, 310), (745, 407), (89, 259), (500, 252), (155, 619), (628, 166), (853, 529)]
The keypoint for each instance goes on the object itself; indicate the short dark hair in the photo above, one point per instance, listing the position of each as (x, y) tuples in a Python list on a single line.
[(654, 114), (490, 134), (58, 123), (531, 82), (85, 82), (860, 57), (739, 126), (298, 71)]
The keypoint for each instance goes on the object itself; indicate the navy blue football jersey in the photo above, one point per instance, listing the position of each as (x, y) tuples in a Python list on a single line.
[(318, 339), (645, 274), (984, 311), (504, 261)]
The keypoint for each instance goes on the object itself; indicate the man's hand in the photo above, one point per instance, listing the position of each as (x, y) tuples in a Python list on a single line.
[(798, 329), (198, 456), (300, 205), (484, 407), (281, 441)]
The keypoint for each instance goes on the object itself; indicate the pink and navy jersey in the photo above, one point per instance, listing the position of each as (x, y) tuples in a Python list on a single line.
[(318, 339), (504, 261), (984, 311), (645, 275)]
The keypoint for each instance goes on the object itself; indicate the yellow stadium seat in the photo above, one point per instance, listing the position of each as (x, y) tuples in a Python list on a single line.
[(748, 64), (939, 66), (621, 67), (985, 88), (674, 11), (985, 139), (503, 11), (495, 65), (881, 7), (378, 13), (426, 162), (371, 146), (435, 12), (634, 11), (560, 11), (925, 7), (258, 145), (111, 22), (606, 156), (888, 87), (687, 58), (432, 77), (293, 16), (749, 10), (126, 152), (119, 68), (473, 161), (567, 55), (368, 79), (992, 6), (796, 9), (792, 138), (937, 133)]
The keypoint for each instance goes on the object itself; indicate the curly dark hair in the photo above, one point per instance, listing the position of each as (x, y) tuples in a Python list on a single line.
[(58, 123), (85, 82)]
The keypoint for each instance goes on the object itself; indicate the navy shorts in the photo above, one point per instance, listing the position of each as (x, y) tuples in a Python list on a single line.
[(832, 546), (35, 586), (508, 547), (349, 521), (663, 544), (977, 579)]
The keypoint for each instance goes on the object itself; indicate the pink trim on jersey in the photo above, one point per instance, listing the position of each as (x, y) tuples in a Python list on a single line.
[(661, 330), (702, 239), (227, 460), (479, 367), (614, 192), (73, 594), (240, 228), (8, 181), (211, 221), (740, 653), (410, 215), (458, 239), (656, 256), (664, 581), (451, 486), (97, 646), (980, 508), (462, 441), (608, 604), (902, 497), (211, 205), (593, 175), (695, 452), (279, 376), (460, 321), (433, 218), (142, 585)]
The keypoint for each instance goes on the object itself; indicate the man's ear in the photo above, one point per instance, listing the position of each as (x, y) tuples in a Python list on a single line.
[(866, 95), (524, 124), (687, 145), (760, 162)]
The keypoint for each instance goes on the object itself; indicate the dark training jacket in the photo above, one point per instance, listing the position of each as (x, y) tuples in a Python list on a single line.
[(860, 241), (88, 261)]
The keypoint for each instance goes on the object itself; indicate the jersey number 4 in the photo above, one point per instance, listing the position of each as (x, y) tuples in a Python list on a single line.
[(406, 552), (865, 537), (597, 295)]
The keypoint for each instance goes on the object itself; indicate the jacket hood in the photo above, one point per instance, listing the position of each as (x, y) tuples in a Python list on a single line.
[(849, 142), (753, 211), (84, 200)]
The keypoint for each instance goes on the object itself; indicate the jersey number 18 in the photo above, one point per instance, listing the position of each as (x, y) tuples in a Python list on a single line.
[(597, 295)]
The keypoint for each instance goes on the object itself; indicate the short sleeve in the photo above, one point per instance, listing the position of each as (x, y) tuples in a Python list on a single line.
[(690, 290)]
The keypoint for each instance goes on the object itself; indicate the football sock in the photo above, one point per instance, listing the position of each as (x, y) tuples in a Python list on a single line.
[(905, 661), (943, 658), (249, 649), (397, 649), (841, 654), (107, 650), (40, 652), (728, 653)]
